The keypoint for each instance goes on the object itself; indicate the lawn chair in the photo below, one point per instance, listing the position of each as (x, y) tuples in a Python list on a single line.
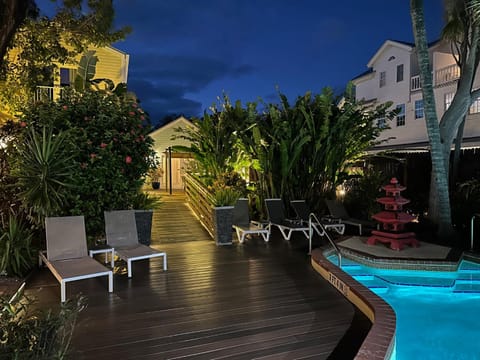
[(303, 213), (338, 211), (276, 217), (121, 234), (243, 225), (66, 254)]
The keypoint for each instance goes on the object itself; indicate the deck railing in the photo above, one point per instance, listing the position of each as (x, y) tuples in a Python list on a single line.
[(200, 201), (447, 74)]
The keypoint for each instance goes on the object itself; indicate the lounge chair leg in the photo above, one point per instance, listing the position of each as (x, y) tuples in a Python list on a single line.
[(129, 268), (110, 281), (360, 229), (62, 291), (165, 261)]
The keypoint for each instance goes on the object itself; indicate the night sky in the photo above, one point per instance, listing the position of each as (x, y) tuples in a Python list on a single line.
[(184, 54)]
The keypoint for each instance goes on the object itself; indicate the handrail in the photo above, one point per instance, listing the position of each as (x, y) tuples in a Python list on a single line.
[(310, 236), (471, 229), (200, 201)]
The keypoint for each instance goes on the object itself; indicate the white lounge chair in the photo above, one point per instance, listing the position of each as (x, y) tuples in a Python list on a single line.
[(276, 217), (121, 234), (301, 209), (243, 225), (66, 254)]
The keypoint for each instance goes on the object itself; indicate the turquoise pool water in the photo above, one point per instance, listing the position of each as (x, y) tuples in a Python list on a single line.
[(438, 313)]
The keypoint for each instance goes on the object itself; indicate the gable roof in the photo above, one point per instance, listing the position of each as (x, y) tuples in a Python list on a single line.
[(399, 44), (162, 136)]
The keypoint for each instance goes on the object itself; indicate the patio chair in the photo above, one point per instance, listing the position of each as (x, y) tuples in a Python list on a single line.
[(121, 234), (338, 211), (243, 225), (66, 255), (303, 213), (276, 217)]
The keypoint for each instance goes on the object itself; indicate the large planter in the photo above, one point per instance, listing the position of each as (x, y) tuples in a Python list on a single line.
[(155, 185), (143, 220), (222, 224)]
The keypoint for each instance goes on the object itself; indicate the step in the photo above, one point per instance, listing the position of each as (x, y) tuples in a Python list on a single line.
[(419, 281), (468, 266), (468, 279), (376, 285), (467, 288)]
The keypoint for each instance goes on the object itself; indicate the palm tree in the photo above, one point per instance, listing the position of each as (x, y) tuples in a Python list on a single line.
[(442, 134)]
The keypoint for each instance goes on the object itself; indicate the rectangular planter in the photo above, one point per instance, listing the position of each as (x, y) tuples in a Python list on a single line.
[(222, 224)]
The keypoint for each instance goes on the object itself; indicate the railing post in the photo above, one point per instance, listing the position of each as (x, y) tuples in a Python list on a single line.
[(471, 229)]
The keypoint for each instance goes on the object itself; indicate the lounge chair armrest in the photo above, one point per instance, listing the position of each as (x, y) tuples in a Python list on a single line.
[(331, 219), (261, 224)]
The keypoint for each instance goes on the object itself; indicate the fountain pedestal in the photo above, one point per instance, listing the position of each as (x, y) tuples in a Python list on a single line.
[(393, 219)]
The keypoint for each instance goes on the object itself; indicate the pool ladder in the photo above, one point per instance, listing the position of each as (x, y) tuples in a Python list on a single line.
[(471, 229), (310, 236)]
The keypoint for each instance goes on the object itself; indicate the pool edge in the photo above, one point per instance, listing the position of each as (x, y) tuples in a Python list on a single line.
[(380, 341)]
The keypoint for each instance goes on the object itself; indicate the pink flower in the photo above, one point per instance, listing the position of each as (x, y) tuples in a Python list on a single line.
[(65, 107), (93, 156), (142, 117), (103, 145), (134, 105), (131, 113), (23, 124), (83, 165), (128, 159)]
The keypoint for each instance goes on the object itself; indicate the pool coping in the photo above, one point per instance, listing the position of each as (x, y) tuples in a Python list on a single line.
[(380, 341)]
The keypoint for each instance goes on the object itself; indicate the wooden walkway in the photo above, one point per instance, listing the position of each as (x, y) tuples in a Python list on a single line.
[(255, 300)]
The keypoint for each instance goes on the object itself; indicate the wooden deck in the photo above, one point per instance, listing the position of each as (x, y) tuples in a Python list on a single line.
[(255, 300)]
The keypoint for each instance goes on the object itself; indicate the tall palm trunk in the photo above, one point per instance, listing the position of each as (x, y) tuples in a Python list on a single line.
[(439, 204)]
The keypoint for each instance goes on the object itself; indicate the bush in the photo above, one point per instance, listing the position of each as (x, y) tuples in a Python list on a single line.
[(16, 253), (42, 335), (112, 155)]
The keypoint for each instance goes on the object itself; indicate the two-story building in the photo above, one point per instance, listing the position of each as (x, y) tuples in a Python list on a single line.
[(393, 75)]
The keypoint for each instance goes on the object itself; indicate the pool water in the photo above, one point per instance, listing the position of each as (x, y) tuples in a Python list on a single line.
[(438, 313)]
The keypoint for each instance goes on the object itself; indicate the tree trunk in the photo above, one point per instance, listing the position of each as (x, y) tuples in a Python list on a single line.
[(12, 15), (439, 204), (456, 155)]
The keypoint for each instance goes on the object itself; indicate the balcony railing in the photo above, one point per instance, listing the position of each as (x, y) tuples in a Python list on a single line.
[(447, 74), (47, 93)]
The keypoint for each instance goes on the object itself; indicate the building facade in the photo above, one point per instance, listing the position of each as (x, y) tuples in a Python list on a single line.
[(393, 75)]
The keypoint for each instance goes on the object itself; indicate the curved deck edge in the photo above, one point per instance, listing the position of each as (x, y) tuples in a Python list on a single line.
[(380, 341)]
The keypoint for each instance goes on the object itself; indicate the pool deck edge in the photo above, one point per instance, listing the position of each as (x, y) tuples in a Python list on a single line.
[(380, 341)]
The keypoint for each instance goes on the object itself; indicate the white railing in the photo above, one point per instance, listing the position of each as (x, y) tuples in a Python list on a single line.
[(415, 83), (447, 74), (43, 93)]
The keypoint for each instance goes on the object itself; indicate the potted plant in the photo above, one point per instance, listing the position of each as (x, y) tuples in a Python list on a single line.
[(155, 175), (224, 199)]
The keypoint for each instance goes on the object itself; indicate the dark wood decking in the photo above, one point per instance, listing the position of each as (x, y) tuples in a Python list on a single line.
[(247, 301)]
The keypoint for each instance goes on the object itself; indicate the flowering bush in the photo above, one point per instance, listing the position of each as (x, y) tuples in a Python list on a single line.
[(113, 151)]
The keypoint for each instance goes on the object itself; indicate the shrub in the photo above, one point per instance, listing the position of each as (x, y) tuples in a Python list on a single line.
[(16, 254), (41, 335), (113, 151)]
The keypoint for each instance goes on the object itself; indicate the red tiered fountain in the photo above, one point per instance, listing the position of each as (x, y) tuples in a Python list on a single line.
[(393, 219)]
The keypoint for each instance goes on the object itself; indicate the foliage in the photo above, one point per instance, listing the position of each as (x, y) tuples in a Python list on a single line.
[(231, 180), (40, 44), (225, 196), (41, 335), (155, 174), (465, 203), (16, 254), (362, 192), (112, 155), (9, 202), (44, 171)]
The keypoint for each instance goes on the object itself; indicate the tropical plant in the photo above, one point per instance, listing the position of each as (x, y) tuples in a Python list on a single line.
[(225, 196), (44, 170), (16, 253), (37, 335)]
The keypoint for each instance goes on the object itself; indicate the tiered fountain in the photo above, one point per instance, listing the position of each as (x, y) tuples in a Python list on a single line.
[(393, 219)]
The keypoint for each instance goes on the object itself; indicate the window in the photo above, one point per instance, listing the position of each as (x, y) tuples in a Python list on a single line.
[(401, 115), (383, 79), (399, 72), (418, 109), (475, 107), (67, 76), (381, 123), (448, 100)]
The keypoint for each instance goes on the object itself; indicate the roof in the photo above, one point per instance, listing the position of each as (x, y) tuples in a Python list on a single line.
[(367, 72), (400, 44)]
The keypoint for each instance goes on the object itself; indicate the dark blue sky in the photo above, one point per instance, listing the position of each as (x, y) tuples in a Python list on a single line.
[(186, 53)]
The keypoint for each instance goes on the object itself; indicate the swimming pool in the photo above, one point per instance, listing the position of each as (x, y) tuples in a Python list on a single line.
[(438, 313)]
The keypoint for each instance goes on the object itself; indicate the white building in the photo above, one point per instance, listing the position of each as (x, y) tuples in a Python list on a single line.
[(393, 75)]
